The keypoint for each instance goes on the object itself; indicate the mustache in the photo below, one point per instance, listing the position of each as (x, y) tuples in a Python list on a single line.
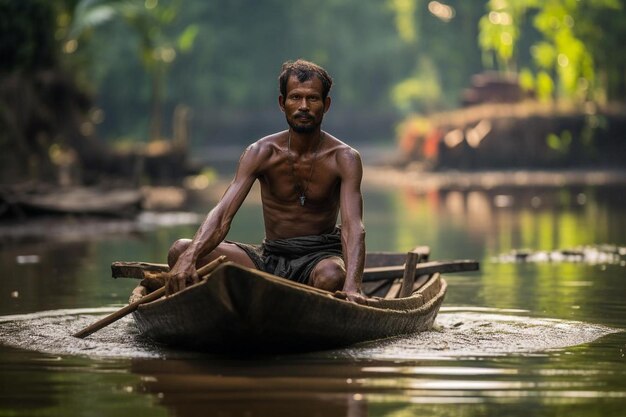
[(302, 115)]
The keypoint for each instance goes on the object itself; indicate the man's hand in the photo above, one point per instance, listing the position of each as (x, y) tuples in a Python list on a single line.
[(354, 296), (181, 277)]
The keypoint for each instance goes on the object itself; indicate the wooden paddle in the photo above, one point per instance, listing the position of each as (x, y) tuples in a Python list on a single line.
[(155, 295)]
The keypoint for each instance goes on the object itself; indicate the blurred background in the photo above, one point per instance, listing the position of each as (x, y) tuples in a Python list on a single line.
[(151, 91)]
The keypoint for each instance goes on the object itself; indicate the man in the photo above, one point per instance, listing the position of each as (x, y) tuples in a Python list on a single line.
[(307, 178)]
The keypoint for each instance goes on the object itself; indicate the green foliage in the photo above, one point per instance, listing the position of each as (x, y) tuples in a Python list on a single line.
[(440, 41), (544, 54), (569, 51), (544, 86), (422, 91), (186, 39), (149, 21), (561, 143), (500, 29), (396, 56), (570, 59), (238, 47), (526, 80), (404, 11)]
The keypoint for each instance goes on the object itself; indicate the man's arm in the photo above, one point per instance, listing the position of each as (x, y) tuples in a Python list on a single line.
[(217, 223), (352, 229)]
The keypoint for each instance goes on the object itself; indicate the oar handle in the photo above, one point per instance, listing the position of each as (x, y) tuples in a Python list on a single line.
[(154, 295)]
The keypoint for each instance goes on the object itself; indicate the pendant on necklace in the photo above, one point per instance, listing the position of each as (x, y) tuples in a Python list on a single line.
[(302, 200)]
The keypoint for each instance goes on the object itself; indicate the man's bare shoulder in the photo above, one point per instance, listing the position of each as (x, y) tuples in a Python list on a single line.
[(264, 147), (342, 151)]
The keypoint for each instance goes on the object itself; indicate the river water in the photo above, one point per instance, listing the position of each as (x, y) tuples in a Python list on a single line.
[(539, 330)]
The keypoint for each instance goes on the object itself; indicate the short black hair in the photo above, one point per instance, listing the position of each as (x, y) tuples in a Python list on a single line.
[(304, 71)]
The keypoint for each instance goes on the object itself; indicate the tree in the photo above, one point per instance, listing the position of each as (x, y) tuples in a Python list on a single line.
[(569, 55), (157, 49), (440, 39), (43, 110)]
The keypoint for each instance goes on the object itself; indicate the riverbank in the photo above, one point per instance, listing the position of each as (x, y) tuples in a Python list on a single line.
[(166, 207), (419, 179), (190, 197), (524, 135)]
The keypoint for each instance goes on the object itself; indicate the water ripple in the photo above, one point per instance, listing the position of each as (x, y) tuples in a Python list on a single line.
[(458, 332), (482, 332), (51, 332)]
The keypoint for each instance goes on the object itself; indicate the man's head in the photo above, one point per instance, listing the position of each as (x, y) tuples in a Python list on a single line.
[(304, 71), (304, 98)]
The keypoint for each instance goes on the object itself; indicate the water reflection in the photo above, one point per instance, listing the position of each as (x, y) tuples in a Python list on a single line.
[(35, 384), (500, 220), (367, 387), (482, 224), (246, 388)]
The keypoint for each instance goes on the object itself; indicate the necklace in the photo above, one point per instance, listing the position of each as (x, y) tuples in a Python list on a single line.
[(299, 189)]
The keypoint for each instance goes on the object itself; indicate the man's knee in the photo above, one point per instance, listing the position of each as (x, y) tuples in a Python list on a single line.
[(230, 250), (176, 249), (329, 274)]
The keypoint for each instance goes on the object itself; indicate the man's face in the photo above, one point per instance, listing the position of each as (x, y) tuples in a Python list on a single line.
[(303, 105)]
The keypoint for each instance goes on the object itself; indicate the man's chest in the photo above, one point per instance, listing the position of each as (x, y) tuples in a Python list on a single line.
[(287, 182)]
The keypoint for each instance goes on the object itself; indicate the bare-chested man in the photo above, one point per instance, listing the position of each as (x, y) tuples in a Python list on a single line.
[(307, 178)]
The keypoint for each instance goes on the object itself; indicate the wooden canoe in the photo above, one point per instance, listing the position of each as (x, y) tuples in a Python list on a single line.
[(243, 309)]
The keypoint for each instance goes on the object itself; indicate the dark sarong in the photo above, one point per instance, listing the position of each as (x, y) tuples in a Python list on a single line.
[(296, 257)]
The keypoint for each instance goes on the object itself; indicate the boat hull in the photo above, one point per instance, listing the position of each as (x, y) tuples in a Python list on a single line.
[(243, 309)]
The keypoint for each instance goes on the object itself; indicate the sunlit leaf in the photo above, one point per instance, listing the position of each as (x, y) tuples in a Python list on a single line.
[(544, 55), (404, 18), (188, 37), (544, 86), (553, 141), (526, 80), (423, 87), (91, 18)]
